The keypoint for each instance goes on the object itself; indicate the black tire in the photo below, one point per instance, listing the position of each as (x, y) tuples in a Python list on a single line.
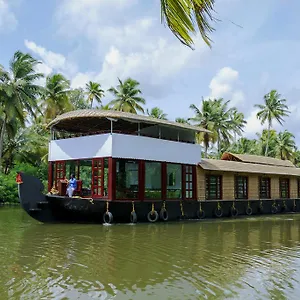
[(200, 214), (152, 216), (133, 217), (234, 212), (164, 214), (108, 217), (219, 212), (249, 211), (294, 208), (274, 209)]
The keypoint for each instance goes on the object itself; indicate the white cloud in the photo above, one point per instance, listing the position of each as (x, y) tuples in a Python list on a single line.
[(8, 20), (224, 85)]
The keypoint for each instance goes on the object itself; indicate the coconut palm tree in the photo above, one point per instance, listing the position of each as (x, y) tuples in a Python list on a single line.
[(244, 146), (285, 146), (55, 99), (267, 137), (238, 123), (182, 120), (224, 123), (18, 92), (205, 117), (94, 92), (127, 97), (184, 16), (157, 113), (273, 109)]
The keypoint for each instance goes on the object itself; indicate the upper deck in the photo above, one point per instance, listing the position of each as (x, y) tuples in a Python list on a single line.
[(99, 133)]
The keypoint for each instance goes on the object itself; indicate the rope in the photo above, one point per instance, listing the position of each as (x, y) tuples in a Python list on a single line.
[(107, 204), (133, 206), (181, 208)]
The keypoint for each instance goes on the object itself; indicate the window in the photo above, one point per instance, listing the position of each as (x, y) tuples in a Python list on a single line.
[(60, 171), (241, 187), (189, 182), (265, 188), (213, 187), (85, 170), (284, 188), (127, 179), (153, 180), (174, 181)]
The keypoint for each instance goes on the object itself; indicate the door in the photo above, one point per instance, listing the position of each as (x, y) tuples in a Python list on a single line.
[(97, 177)]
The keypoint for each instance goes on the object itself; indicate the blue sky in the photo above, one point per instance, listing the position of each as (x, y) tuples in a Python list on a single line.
[(101, 40)]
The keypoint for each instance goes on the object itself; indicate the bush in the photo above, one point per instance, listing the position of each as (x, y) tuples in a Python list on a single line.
[(8, 186)]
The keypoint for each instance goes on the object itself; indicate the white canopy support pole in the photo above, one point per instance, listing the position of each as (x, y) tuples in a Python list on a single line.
[(139, 129)]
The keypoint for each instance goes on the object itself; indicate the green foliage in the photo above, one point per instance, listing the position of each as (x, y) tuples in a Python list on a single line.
[(157, 113), (8, 186)]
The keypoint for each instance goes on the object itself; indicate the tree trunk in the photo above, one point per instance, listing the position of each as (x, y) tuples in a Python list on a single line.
[(219, 144), (267, 147), (1, 140)]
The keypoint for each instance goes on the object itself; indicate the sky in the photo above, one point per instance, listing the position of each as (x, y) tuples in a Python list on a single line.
[(255, 48)]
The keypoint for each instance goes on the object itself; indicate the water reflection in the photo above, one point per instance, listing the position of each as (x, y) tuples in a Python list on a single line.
[(255, 258)]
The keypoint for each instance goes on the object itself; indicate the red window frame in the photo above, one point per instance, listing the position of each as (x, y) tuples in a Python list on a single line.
[(188, 182), (60, 171)]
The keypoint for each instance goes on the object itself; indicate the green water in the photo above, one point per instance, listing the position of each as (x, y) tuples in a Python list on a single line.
[(254, 258)]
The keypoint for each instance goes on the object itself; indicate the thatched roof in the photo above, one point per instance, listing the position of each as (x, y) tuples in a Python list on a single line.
[(243, 167), (86, 120), (256, 159)]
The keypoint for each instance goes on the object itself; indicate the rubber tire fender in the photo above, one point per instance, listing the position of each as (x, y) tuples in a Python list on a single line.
[(108, 217), (249, 211), (164, 214), (150, 214), (234, 212), (200, 214), (274, 209), (219, 212), (133, 217)]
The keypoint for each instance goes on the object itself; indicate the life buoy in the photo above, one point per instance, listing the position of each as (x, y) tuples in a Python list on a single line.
[(164, 214), (219, 212), (274, 209), (249, 211), (133, 217), (152, 216), (200, 214), (234, 212), (108, 217)]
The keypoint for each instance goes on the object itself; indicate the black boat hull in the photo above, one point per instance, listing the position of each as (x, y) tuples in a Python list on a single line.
[(54, 208)]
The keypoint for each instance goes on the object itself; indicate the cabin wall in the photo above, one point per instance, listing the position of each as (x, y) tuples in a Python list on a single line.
[(228, 184), (124, 146)]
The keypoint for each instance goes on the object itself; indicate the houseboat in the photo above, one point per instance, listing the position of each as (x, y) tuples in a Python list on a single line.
[(134, 168)]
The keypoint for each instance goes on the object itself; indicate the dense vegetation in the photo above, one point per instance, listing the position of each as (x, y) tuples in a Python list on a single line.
[(27, 106)]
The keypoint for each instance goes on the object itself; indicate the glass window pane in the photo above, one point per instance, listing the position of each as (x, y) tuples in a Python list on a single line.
[(127, 179), (153, 180), (174, 181)]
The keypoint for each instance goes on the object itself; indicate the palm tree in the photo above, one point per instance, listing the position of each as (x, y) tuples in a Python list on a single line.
[(157, 113), (205, 118), (273, 109), (267, 137), (77, 99), (94, 92), (285, 145), (238, 123), (181, 16), (127, 97), (55, 99), (18, 92), (182, 120), (244, 146), (224, 123)]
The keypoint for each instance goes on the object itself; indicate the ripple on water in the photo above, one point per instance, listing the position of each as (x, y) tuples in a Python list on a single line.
[(248, 258)]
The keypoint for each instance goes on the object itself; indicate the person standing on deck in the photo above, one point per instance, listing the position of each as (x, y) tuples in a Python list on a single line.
[(72, 185)]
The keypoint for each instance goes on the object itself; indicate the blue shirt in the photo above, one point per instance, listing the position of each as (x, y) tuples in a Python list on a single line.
[(73, 183)]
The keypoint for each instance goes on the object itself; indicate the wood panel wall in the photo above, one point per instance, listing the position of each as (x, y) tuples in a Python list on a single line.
[(228, 184)]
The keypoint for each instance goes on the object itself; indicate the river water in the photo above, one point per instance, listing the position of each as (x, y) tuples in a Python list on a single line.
[(244, 258)]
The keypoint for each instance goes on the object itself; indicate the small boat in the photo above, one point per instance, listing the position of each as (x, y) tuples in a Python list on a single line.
[(134, 168)]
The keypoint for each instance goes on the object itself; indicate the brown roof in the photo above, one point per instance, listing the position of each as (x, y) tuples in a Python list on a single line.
[(92, 119), (256, 159), (241, 167)]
